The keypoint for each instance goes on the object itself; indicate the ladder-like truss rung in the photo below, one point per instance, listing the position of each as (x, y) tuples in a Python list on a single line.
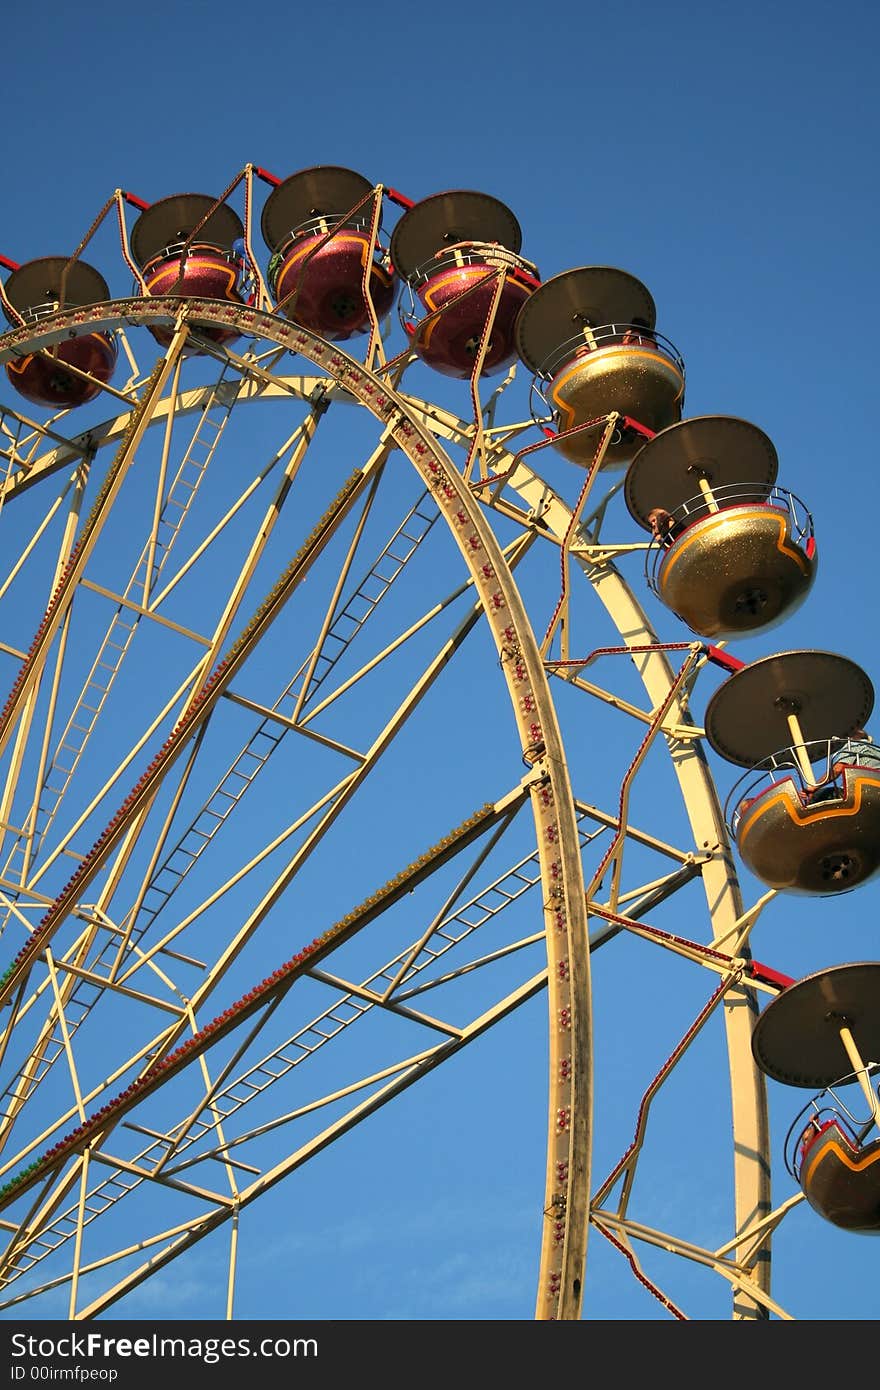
[(246, 766), (528, 880), (240, 1091), (385, 579), (271, 1073), (76, 1009), (250, 1084), (243, 770), (200, 454), (292, 1061), (323, 1036), (218, 791), (265, 1071), (97, 1208), (413, 538), (469, 924), (207, 421), (220, 1113), (499, 898), (262, 736), (163, 891), (149, 910), (186, 848), (115, 645), (18, 1267), (236, 1097), (247, 777), (350, 614), (95, 688), (46, 1246), (116, 1181), (179, 854), (353, 1009), (267, 738)]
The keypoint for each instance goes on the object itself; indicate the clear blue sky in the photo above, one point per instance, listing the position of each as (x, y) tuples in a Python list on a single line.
[(726, 157)]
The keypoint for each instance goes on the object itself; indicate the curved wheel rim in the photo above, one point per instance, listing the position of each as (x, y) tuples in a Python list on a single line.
[(548, 790), (415, 428)]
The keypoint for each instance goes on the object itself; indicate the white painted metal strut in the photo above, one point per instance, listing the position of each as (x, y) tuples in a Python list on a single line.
[(412, 430), (564, 1239)]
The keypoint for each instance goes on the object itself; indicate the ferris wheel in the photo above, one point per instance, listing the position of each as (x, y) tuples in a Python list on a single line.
[(366, 613)]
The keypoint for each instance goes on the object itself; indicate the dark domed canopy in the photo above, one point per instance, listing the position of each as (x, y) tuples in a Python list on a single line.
[(747, 717), (325, 191), (173, 219), (590, 296), (720, 448), (39, 282), (446, 218), (797, 1037)]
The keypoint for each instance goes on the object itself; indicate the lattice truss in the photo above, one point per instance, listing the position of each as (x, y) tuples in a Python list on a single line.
[(276, 841)]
